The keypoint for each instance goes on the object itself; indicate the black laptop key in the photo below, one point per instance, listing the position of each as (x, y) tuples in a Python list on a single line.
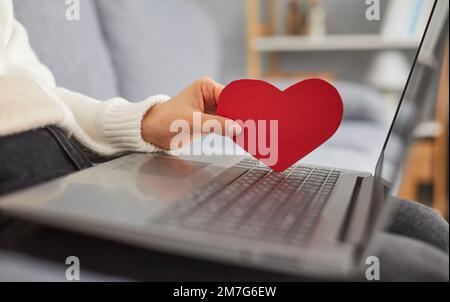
[(219, 202)]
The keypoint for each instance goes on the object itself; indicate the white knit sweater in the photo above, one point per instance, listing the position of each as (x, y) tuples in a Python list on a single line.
[(29, 99)]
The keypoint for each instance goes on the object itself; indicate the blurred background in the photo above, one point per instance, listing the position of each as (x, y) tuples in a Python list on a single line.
[(297, 33), (139, 48)]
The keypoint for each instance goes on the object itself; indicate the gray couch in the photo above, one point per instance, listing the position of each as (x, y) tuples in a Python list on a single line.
[(143, 47)]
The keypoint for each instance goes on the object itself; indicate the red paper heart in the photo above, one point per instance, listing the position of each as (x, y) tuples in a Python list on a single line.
[(308, 114)]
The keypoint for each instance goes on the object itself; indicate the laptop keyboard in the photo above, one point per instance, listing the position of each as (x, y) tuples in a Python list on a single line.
[(249, 200)]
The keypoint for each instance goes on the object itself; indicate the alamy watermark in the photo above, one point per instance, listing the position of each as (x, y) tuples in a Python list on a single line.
[(260, 137), (373, 10), (372, 268), (372, 272), (73, 269), (72, 10)]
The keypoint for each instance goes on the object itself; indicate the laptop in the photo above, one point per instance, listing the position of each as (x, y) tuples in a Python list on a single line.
[(308, 220)]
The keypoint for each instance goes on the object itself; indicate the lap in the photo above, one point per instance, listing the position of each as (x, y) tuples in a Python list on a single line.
[(36, 156), (415, 245), (407, 259), (413, 220)]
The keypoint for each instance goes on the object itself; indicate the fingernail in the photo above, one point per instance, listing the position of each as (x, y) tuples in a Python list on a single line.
[(234, 129)]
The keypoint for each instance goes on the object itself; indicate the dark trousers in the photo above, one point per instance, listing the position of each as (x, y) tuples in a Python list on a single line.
[(37, 156)]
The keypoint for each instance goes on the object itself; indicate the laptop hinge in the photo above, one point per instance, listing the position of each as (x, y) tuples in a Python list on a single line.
[(355, 229)]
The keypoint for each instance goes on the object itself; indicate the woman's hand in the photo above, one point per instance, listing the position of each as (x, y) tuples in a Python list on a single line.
[(202, 96)]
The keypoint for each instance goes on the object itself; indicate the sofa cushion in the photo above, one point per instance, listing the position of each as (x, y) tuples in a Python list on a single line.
[(159, 46), (75, 51), (356, 146), (361, 102)]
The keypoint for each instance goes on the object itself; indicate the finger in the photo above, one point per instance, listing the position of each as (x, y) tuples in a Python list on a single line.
[(220, 125), (210, 91)]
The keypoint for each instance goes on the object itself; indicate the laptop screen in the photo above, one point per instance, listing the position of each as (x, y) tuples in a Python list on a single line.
[(414, 97)]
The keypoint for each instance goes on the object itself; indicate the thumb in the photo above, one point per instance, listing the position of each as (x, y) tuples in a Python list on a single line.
[(220, 125)]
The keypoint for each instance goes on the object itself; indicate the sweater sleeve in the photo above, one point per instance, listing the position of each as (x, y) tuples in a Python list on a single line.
[(107, 127), (110, 126)]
